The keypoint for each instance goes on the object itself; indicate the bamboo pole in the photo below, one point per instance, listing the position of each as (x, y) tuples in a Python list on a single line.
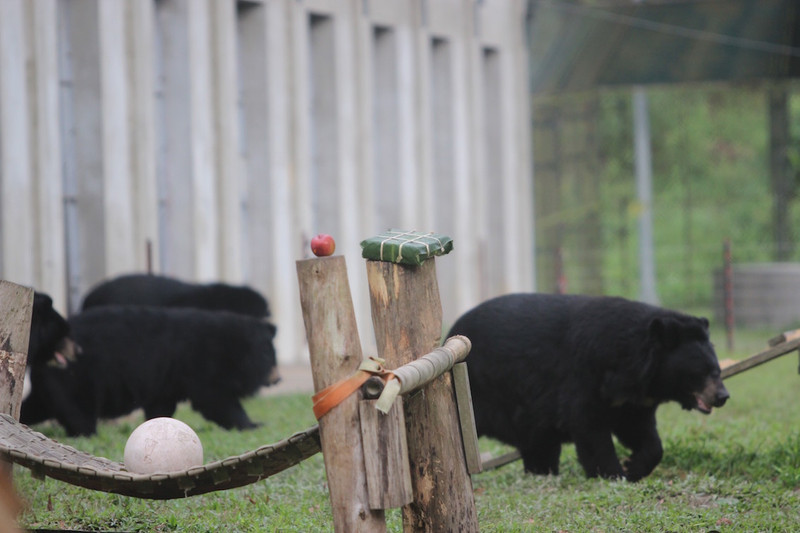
[(407, 315), (335, 352)]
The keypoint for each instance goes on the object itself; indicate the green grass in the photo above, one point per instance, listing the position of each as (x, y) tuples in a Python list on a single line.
[(735, 470)]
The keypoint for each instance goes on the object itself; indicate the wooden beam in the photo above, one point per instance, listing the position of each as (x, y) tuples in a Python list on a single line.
[(760, 358)]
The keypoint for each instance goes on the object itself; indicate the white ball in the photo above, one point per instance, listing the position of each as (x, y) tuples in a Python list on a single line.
[(162, 445)]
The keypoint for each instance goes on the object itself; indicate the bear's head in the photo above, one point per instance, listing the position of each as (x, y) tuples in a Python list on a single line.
[(50, 342), (686, 366)]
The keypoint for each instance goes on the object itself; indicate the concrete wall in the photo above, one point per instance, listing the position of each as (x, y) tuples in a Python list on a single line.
[(226, 134)]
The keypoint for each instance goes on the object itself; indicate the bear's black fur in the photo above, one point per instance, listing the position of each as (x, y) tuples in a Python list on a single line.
[(549, 369), (153, 358), (49, 330), (49, 344), (149, 289)]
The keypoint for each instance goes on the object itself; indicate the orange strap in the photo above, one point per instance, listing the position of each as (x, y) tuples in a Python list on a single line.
[(334, 394)]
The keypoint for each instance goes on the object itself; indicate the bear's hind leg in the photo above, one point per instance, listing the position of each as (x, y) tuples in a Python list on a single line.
[(159, 409), (597, 455), (541, 455), (227, 412)]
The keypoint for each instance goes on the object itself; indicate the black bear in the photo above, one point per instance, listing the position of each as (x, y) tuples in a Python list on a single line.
[(547, 369), (49, 341), (163, 291), (49, 332), (153, 358)]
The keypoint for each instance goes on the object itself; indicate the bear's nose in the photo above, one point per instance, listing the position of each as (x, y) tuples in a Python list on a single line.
[(721, 397)]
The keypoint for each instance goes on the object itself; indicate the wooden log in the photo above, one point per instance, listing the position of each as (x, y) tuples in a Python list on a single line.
[(407, 315), (784, 337), (489, 463), (335, 352), (761, 357), (16, 308)]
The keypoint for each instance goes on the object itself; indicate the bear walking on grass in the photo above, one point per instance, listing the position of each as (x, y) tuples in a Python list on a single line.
[(549, 369), (163, 291), (152, 358)]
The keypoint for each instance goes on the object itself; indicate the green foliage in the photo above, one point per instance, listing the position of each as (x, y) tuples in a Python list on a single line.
[(711, 182), (735, 470)]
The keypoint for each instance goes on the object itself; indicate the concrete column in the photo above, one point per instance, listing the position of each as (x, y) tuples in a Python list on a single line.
[(115, 181), (225, 82), (140, 19), (87, 146), (174, 134), (17, 262), (204, 209)]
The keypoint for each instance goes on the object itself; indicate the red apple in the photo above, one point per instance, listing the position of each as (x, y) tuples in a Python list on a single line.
[(323, 245)]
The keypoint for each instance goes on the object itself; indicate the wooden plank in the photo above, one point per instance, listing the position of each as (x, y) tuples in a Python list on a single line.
[(407, 315), (466, 417), (335, 351), (488, 462), (760, 358), (783, 337), (385, 455)]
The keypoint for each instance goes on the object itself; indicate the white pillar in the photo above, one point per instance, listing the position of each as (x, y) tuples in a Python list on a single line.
[(47, 174), (17, 239), (143, 139), (115, 176), (225, 82)]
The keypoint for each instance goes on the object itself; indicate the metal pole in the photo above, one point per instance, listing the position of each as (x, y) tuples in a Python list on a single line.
[(644, 191)]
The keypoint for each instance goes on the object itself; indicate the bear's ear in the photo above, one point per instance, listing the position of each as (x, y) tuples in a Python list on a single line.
[(42, 302), (704, 322), (665, 331)]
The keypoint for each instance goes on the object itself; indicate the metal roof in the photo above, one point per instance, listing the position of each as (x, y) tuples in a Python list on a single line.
[(578, 47)]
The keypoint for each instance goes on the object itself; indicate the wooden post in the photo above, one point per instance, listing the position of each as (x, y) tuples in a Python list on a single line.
[(335, 352), (16, 308), (407, 315)]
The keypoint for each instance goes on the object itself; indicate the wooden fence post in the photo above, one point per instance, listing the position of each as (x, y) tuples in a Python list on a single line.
[(407, 315), (16, 308), (335, 352)]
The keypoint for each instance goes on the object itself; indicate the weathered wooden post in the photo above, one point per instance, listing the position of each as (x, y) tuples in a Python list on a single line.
[(16, 308), (407, 315), (335, 352)]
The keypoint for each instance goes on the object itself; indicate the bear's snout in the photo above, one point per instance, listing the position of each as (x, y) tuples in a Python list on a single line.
[(722, 396)]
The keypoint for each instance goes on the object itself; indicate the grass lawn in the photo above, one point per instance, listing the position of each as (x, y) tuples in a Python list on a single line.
[(735, 470)]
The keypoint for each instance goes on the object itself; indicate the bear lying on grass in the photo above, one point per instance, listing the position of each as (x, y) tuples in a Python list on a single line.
[(162, 291), (153, 358), (549, 369)]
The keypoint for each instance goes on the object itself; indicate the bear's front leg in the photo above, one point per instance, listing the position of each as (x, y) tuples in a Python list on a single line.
[(596, 453), (636, 429)]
